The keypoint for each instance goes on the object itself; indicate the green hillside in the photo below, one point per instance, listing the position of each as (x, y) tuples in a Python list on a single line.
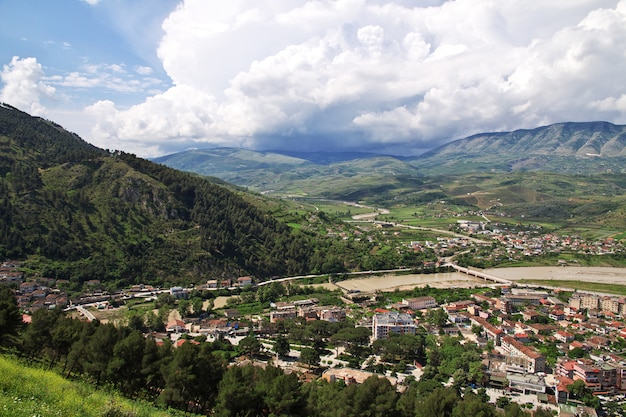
[(351, 175), (77, 212), (28, 392)]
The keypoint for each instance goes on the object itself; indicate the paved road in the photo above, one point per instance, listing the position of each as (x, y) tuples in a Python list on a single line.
[(86, 313)]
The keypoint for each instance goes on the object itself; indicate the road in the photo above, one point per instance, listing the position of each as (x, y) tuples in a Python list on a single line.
[(82, 310)]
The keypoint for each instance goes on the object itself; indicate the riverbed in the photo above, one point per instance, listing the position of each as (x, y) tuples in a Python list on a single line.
[(458, 280), (407, 282), (606, 275)]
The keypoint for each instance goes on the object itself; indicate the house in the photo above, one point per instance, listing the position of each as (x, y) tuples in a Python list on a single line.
[(181, 342), (27, 287), (243, 281), (178, 292), (565, 369), (176, 326), (563, 336), (589, 374), (278, 315), (561, 390), (557, 314), (333, 314)]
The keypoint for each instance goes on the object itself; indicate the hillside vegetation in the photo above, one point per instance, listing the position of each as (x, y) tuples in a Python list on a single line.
[(77, 212), (28, 392)]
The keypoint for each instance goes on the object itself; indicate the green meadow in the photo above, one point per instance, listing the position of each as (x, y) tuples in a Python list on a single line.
[(28, 392)]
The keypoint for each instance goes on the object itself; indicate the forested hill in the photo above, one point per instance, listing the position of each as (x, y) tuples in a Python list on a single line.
[(77, 212)]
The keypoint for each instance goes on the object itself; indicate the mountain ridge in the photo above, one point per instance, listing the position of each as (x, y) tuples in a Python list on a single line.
[(568, 148)]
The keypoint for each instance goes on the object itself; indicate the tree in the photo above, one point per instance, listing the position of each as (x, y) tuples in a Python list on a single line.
[(477, 329), (440, 402), (437, 316), (281, 346), (196, 305), (183, 307), (126, 365), (376, 397), (576, 353), (10, 317), (283, 397), (309, 356), (473, 406), (249, 346), (503, 401), (179, 377), (238, 394)]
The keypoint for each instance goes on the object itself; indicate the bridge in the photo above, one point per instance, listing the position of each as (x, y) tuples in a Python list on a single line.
[(478, 274)]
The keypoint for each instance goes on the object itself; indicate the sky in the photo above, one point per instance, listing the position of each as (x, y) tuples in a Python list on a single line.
[(155, 77)]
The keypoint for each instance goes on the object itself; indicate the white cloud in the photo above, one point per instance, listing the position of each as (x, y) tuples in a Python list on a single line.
[(91, 2), (111, 77), (143, 70), (23, 85), (376, 72)]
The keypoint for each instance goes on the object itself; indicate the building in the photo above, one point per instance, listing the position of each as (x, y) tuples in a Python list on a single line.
[(563, 336), (611, 304), (243, 281), (492, 332), (386, 324), (522, 358), (277, 315), (527, 383), (519, 300), (333, 314), (590, 302), (420, 303), (589, 374), (178, 292), (176, 326)]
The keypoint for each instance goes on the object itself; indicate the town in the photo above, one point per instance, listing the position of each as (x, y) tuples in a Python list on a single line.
[(542, 347)]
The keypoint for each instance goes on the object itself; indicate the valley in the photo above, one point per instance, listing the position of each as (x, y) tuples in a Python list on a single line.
[(314, 276)]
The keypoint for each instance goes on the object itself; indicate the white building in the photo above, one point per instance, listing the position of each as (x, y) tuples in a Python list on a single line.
[(383, 325)]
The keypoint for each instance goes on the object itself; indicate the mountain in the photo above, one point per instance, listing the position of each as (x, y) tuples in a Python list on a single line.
[(77, 212), (572, 148), (567, 148), (321, 174)]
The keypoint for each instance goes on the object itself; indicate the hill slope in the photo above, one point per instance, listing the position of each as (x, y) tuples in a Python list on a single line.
[(573, 148), (78, 212), (338, 176)]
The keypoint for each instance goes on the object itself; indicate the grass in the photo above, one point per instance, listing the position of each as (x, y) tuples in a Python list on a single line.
[(579, 285), (28, 392)]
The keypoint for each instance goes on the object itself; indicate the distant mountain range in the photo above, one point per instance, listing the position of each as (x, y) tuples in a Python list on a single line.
[(572, 148), (567, 148)]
